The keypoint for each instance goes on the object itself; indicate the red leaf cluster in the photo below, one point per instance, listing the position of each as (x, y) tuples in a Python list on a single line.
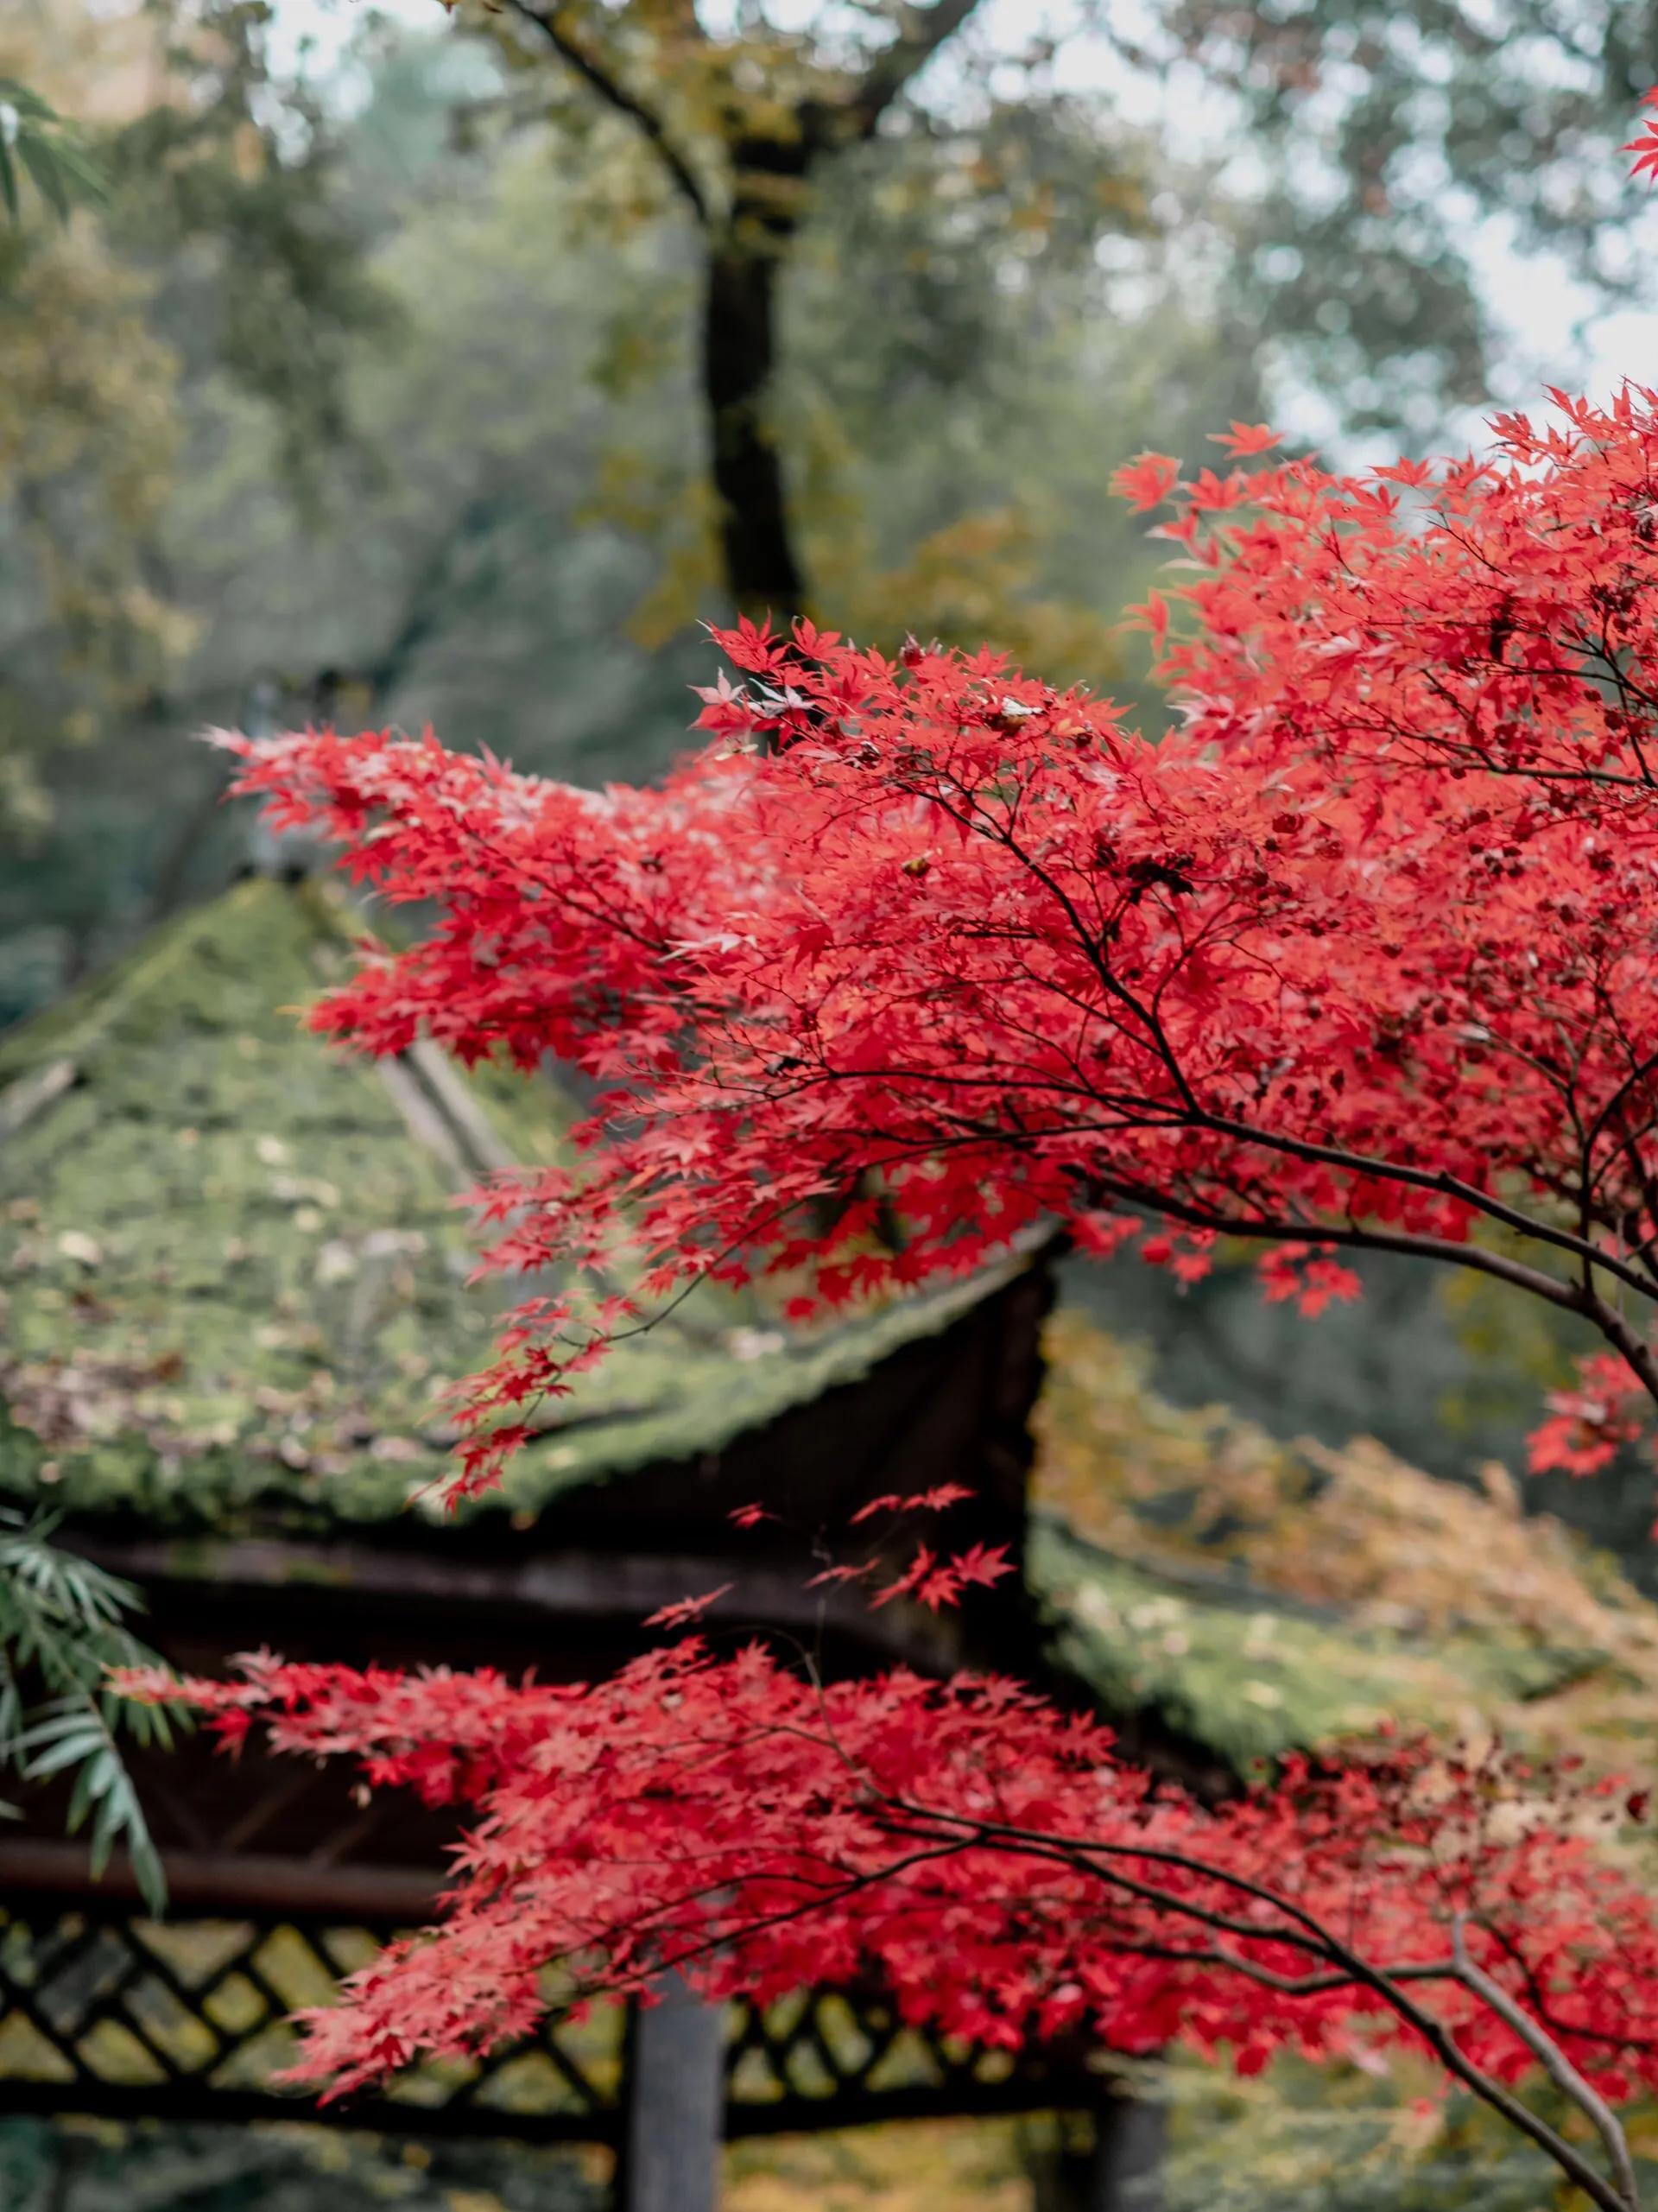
[(920, 953), (989, 1858)]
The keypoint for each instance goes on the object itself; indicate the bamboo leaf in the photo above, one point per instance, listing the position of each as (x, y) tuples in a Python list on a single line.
[(39, 159)]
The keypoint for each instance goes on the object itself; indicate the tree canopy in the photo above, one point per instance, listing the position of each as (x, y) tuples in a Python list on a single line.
[(921, 955), (1356, 959)]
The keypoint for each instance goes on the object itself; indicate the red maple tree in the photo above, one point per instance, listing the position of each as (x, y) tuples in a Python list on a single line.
[(919, 955)]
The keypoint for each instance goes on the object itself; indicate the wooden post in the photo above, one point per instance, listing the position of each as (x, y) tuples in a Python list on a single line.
[(1117, 2171), (675, 2118), (1127, 2165)]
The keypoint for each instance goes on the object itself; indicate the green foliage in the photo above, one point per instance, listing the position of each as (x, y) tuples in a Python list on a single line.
[(1304, 2139), (1446, 1371), (47, 2167), (233, 197), (223, 262), (1373, 145), (86, 436), (49, 150), (1258, 1597), (1243, 1673), (62, 1626)]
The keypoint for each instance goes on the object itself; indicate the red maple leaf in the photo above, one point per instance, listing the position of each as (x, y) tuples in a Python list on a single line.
[(1645, 146), (682, 1611)]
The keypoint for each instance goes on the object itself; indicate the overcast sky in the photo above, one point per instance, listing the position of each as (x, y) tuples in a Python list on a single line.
[(1530, 296)]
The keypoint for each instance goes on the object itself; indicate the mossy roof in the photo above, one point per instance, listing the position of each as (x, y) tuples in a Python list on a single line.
[(1249, 1677), (1259, 1597), (234, 1273)]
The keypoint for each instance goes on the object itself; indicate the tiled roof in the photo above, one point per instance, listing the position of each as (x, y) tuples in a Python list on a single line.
[(233, 1274)]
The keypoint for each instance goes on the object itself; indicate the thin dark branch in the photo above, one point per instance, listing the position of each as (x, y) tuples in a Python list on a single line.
[(1084, 1856), (615, 94), (921, 32), (1554, 2062), (1198, 1215)]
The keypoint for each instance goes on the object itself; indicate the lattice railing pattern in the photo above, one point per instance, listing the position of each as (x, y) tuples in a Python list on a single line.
[(109, 2013), (112, 2013)]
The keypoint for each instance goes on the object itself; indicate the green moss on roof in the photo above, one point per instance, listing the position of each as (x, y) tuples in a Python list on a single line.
[(1251, 1677), (233, 1271), (1260, 1596)]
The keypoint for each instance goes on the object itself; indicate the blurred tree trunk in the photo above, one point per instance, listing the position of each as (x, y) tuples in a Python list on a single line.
[(763, 571), (745, 177), (746, 255)]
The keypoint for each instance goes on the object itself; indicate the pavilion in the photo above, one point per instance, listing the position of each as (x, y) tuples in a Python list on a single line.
[(232, 1272)]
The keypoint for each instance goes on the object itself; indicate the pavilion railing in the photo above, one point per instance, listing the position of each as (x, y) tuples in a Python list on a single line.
[(104, 2012)]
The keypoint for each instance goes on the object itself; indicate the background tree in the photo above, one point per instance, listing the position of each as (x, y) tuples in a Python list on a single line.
[(1387, 144), (511, 534), (87, 431), (62, 1621), (216, 272), (740, 129), (1379, 145)]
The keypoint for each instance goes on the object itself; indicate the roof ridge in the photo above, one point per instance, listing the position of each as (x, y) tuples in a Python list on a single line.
[(77, 1022)]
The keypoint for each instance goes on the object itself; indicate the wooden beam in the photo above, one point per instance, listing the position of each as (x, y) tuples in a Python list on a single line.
[(575, 1586), (22, 1101), (228, 1882)]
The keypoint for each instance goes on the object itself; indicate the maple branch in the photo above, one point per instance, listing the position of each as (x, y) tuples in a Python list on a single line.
[(1544, 2010), (1193, 1213), (1283, 1985), (1082, 1854), (1439, 1182), (1090, 943), (1643, 1068), (1618, 1333), (616, 95), (1554, 2062), (784, 1915)]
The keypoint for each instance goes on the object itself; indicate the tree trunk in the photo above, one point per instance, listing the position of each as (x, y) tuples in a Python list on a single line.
[(739, 359)]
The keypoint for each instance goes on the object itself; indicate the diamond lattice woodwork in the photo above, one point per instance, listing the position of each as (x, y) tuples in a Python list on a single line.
[(104, 2012)]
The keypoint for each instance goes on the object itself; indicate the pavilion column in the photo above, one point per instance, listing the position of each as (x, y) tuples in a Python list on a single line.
[(1125, 2173), (1121, 2171), (675, 2118)]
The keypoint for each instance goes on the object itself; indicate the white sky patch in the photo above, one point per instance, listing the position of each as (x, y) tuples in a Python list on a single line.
[(313, 34)]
